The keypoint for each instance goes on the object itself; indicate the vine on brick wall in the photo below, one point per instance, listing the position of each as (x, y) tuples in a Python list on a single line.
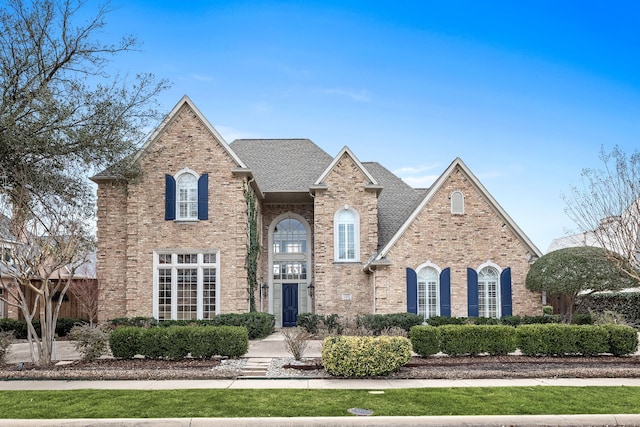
[(253, 245)]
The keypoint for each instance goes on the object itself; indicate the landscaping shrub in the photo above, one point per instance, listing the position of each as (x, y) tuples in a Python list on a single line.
[(233, 341), (204, 342), (377, 323), (582, 319), (625, 303), (544, 319), (484, 321), (364, 356), (6, 337), (17, 327), (314, 323), (258, 325), (561, 340), (425, 340), (296, 341), (125, 342), (446, 320), (91, 341), (622, 340), (511, 320), (63, 326), (140, 322), (457, 340)]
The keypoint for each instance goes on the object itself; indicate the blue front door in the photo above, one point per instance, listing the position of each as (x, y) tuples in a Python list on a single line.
[(289, 304)]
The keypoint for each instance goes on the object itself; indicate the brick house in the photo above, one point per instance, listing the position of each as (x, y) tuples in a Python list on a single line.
[(336, 235)]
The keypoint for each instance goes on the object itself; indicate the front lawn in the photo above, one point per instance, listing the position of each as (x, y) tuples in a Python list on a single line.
[(317, 403)]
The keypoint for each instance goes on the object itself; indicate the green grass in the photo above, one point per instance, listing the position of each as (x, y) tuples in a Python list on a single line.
[(320, 403)]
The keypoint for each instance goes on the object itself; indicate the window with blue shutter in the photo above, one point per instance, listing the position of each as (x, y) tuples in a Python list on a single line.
[(169, 198), (203, 197), (412, 291), (445, 292), (505, 293), (472, 293)]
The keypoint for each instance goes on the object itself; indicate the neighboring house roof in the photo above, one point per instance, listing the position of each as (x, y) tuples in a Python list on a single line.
[(535, 252), (580, 239)]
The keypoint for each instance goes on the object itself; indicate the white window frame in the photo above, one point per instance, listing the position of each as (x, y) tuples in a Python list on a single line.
[(336, 235), (457, 203), (173, 266), (487, 299), (194, 189), (425, 303)]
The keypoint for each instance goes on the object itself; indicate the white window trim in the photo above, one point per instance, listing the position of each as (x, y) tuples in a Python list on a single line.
[(185, 171), (429, 264), (356, 237), (452, 196), (174, 283), (498, 299)]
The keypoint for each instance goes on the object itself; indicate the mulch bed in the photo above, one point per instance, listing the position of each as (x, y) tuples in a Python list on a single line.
[(423, 368)]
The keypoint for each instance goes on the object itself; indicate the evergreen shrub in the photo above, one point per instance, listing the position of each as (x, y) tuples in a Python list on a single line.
[(458, 340), (363, 356), (124, 342), (425, 340)]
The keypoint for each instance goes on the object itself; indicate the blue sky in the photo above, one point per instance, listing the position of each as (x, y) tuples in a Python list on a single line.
[(526, 93)]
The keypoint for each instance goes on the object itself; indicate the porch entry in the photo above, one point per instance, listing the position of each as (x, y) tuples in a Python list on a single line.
[(289, 263), (289, 305)]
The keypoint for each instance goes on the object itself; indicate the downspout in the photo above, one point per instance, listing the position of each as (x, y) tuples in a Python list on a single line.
[(373, 272)]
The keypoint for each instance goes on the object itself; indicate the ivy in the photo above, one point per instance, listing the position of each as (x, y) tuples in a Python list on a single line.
[(253, 245)]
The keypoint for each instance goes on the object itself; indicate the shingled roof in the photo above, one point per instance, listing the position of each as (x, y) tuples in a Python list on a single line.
[(282, 165), (396, 201)]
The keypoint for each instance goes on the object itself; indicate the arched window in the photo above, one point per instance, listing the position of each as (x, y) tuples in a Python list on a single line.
[(428, 292), (346, 235), (187, 203), (488, 292), (457, 203), (290, 236)]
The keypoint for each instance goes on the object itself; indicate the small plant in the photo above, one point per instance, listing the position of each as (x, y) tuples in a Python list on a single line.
[(609, 317), (296, 340), (5, 341), (547, 310), (91, 341)]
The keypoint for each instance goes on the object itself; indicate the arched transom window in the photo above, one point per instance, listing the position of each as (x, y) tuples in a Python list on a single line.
[(289, 236), (347, 235), (488, 292), (428, 289), (187, 203)]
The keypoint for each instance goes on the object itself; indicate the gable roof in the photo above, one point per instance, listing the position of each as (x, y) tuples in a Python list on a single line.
[(434, 189), (348, 152), (107, 174), (282, 165)]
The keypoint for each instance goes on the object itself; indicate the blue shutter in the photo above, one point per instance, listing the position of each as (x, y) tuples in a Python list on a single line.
[(445, 292), (472, 293), (169, 198), (505, 292), (203, 196), (412, 291)]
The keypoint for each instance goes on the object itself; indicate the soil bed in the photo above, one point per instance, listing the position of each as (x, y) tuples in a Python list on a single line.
[(424, 368)]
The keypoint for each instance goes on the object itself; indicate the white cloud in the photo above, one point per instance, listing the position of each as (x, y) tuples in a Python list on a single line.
[(361, 95), (230, 134), (424, 181), (202, 78), (411, 170)]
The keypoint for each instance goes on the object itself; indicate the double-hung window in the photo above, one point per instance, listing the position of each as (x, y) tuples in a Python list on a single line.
[(428, 289), (488, 292)]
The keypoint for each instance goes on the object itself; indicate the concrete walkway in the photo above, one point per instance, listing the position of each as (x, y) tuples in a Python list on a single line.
[(259, 356)]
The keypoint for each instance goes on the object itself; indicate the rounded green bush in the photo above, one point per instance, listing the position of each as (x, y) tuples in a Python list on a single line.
[(623, 340), (349, 356)]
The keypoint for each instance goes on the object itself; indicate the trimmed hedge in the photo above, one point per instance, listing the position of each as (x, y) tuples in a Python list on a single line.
[(457, 340), (125, 342), (378, 323), (425, 340), (586, 340), (625, 303), (258, 325), (350, 356), (176, 342)]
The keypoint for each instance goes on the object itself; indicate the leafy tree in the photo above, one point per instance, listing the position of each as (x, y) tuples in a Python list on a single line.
[(61, 114), (606, 208), (571, 271)]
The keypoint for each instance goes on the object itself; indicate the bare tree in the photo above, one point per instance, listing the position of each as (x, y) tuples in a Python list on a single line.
[(50, 245), (607, 209), (85, 291), (61, 114)]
